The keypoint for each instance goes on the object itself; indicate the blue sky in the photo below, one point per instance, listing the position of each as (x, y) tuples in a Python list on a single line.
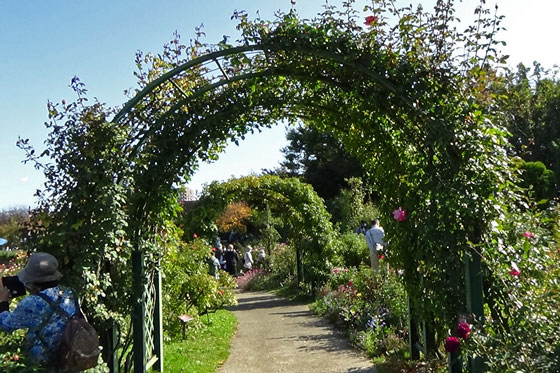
[(43, 44)]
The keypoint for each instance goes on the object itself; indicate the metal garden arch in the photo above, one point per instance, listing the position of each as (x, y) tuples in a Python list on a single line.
[(188, 112)]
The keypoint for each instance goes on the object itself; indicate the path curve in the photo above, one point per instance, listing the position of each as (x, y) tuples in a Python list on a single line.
[(277, 335)]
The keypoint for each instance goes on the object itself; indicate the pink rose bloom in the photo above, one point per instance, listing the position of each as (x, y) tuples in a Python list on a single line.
[(514, 272), (370, 20), (463, 330), (400, 214), (529, 234), (452, 344), (195, 235)]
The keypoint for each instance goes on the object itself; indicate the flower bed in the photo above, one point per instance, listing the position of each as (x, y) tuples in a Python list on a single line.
[(371, 306)]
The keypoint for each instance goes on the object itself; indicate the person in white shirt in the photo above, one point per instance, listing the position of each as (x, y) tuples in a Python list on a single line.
[(374, 239), (248, 259), (261, 258)]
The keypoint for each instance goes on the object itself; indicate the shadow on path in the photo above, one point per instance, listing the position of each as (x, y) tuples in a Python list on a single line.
[(278, 335)]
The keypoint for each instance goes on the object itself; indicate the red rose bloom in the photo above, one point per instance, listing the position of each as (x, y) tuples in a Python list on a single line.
[(463, 330), (370, 20), (400, 214), (452, 344), (514, 272)]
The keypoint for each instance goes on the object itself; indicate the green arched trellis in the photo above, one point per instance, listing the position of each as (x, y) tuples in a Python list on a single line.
[(298, 205), (413, 114), (403, 119), (421, 140)]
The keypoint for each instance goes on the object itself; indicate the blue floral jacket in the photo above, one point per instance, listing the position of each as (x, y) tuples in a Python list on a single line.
[(44, 326)]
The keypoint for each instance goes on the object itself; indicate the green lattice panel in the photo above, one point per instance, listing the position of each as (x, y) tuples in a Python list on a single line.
[(150, 302)]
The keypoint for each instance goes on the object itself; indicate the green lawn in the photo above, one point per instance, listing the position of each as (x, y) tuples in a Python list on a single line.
[(204, 350)]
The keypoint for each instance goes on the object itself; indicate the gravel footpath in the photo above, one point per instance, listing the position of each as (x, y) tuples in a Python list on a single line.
[(278, 335)]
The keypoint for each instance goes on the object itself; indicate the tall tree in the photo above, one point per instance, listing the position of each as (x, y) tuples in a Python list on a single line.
[(532, 104), (320, 160), (12, 226)]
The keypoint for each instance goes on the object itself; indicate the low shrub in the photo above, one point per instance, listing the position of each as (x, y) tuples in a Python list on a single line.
[(371, 305), (282, 262), (8, 254), (252, 280), (519, 333), (188, 288), (378, 341), (352, 250), (11, 261)]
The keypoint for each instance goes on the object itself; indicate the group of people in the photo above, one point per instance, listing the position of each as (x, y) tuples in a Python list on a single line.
[(374, 239), (229, 260)]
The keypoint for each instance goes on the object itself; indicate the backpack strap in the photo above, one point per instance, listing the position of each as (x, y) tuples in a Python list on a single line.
[(56, 305), (47, 319)]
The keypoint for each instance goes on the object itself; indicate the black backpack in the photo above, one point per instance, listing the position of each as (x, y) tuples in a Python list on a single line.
[(79, 348)]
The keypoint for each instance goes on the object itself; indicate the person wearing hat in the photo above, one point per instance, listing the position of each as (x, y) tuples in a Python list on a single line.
[(45, 326)]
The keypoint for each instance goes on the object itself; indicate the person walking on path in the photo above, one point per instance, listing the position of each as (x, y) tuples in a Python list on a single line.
[(248, 262), (231, 258), (374, 240), (261, 258), (362, 229), (214, 264)]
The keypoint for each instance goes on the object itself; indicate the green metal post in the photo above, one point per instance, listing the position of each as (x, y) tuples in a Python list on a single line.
[(112, 358), (473, 282), (475, 301), (158, 323), (299, 265), (454, 362), (269, 234), (412, 334), (138, 312), (429, 340)]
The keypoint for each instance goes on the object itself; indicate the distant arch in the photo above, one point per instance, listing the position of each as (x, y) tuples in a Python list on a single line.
[(302, 211)]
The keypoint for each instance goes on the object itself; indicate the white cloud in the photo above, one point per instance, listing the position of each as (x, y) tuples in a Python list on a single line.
[(24, 179)]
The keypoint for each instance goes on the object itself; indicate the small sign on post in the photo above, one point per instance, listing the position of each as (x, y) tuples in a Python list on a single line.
[(185, 319)]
